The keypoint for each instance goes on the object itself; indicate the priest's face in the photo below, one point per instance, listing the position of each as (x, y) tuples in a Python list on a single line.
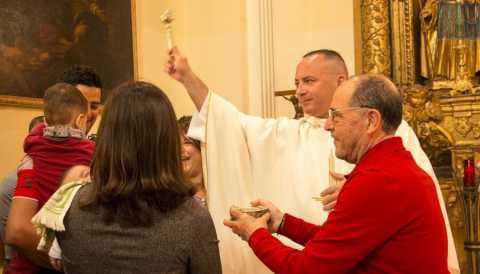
[(346, 124), (316, 80)]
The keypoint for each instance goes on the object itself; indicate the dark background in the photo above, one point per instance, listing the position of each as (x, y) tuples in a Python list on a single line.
[(39, 39)]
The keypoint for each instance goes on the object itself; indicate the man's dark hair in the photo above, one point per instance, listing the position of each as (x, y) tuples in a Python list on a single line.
[(35, 121), (81, 75), (61, 102), (378, 92), (330, 55), (184, 124), (136, 169)]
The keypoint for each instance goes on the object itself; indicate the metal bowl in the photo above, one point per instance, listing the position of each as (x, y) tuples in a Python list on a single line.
[(255, 211)]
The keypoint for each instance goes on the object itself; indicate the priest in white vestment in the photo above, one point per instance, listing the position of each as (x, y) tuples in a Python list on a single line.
[(282, 160)]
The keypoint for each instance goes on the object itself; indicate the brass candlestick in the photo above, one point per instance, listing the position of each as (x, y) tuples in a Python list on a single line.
[(472, 241), (469, 190)]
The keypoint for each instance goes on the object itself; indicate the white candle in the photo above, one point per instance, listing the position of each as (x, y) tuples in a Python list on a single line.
[(331, 169)]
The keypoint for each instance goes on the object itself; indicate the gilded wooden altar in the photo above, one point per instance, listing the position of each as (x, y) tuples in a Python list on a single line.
[(444, 112)]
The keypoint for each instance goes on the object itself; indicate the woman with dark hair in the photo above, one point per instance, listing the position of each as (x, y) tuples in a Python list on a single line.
[(138, 214), (192, 160)]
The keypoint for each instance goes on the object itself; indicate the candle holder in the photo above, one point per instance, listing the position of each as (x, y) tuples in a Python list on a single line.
[(472, 241), (469, 197)]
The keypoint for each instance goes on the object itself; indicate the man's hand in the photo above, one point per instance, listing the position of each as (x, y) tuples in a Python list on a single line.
[(244, 225), (78, 172), (276, 216), (330, 194), (178, 68)]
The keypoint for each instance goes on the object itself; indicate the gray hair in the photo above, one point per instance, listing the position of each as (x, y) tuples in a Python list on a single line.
[(378, 92)]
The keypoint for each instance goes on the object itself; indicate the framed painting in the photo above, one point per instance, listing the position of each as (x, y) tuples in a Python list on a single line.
[(39, 39)]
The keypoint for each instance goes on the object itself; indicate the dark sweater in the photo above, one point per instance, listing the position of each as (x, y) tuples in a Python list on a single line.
[(180, 241)]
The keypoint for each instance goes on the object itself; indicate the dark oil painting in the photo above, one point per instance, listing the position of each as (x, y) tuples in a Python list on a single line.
[(39, 39)]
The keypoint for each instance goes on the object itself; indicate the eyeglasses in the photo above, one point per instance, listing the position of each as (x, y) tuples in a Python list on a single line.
[(334, 113)]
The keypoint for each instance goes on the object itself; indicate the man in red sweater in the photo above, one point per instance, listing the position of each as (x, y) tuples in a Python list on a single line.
[(387, 218)]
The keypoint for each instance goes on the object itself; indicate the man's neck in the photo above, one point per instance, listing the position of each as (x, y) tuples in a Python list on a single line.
[(319, 116), (372, 143)]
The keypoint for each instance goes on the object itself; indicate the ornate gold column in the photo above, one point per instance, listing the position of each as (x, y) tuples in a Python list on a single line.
[(403, 55), (444, 114), (376, 49)]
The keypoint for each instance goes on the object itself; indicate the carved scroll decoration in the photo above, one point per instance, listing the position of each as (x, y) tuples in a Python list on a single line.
[(376, 50)]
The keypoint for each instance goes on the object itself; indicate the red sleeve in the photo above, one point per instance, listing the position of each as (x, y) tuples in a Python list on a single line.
[(294, 228), (341, 242), (25, 187), (33, 135), (298, 230)]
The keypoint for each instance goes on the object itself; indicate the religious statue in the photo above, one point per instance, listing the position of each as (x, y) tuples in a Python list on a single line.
[(450, 49)]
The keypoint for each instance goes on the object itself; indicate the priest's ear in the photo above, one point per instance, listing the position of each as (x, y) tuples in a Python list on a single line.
[(341, 78)]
